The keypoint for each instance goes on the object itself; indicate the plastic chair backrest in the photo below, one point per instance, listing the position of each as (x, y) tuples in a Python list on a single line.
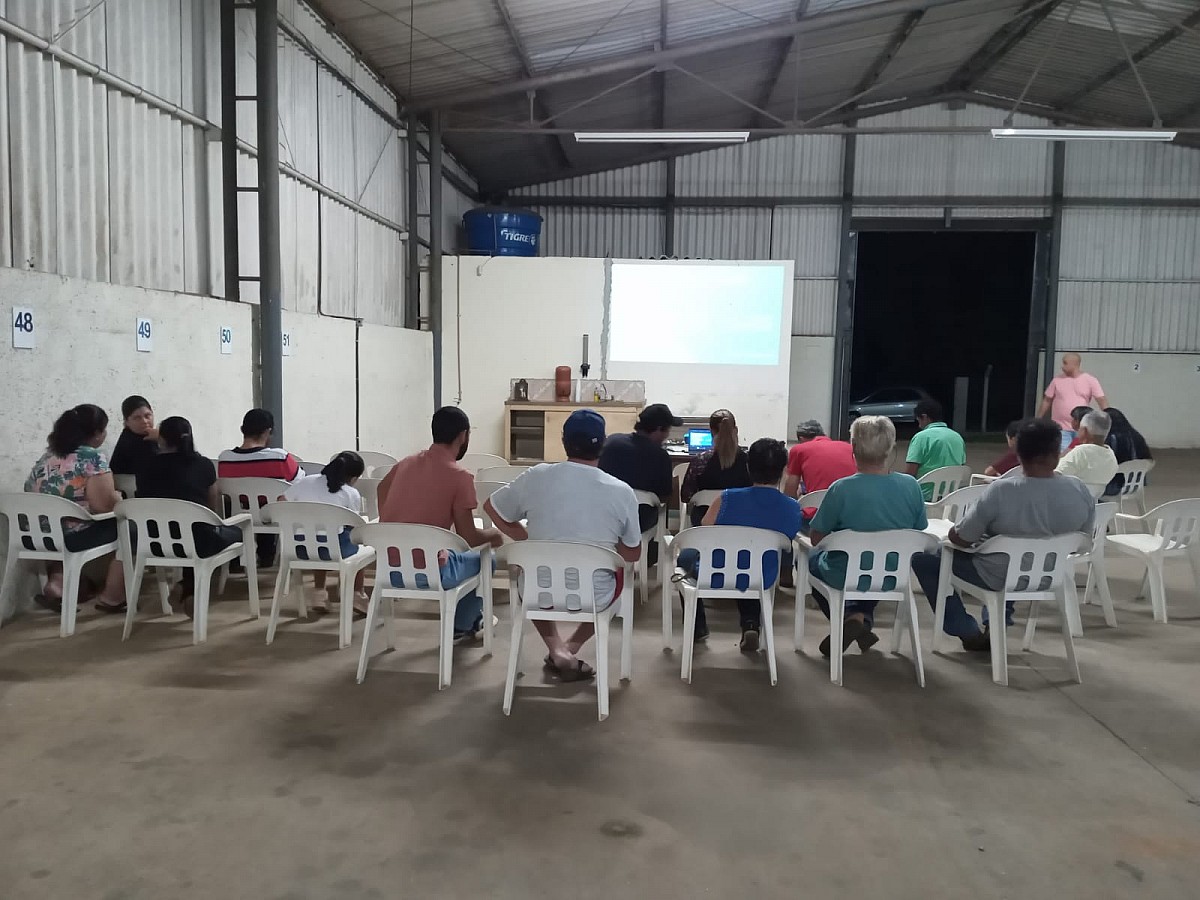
[(680, 472), (957, 504), (164, 527), (1035, 564), (1134, 472), (313, 468), (250, 495), (503, 474), (1178, 523), (369, 488), (813, 500), (556, 575), (35, 520), (406, 556), (473, 462), (946, 480), (126, 485), (878, 561), (483, 492), (731, 556), (374, 460), (312, 526), (1104, 517)]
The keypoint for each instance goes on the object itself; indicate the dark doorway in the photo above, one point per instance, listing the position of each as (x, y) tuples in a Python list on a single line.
[(933, 306)]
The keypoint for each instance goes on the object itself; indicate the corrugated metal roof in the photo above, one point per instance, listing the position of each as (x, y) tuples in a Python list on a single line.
[(619, 233)]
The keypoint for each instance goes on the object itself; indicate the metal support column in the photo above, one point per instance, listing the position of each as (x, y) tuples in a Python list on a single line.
[(435, 250), (229, 153), (1058, 168), (412, 249), (270, 309), (843, 328), (669, 211)]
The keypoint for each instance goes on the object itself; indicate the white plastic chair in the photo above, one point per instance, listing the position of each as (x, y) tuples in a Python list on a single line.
[(977, 478), (1038, 571), (415, 549), (740, 576), (813, 499), (955, 505), (1175, 532), (315, 528), (249, 496), (1092, 555), (313, 468), (126, 485), (502, 474), (946, 480), (884, 560), (1134, 488), (369, 489), (801, 548), (376, 463), (555, 585), (657, 535), (35, 534), (701, 500), (165, 541), (483, 493), (473, 462)]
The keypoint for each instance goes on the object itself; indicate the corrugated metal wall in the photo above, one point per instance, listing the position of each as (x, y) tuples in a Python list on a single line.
[(107, 187)]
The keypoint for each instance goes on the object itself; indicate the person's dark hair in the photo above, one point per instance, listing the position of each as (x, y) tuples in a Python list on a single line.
[(176, 433), (1038, 439), (257, 421), (767, 459), (75, 427), (448, 423), (581, 448), (339, 470), (1013, 427), (132, 404), (1126, 441), (1079, 412), (931, 408)]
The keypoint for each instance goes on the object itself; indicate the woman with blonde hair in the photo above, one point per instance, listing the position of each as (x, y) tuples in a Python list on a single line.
[(718, 469)]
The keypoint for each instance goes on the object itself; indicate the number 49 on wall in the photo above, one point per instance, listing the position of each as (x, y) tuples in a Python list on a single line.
[(145, 336)]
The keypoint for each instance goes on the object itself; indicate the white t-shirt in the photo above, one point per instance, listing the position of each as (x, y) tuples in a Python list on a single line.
[(315, 489), (570, 501), (1093, 464)]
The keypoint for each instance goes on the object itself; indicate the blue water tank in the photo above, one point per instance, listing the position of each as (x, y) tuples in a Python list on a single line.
[(497, 231)]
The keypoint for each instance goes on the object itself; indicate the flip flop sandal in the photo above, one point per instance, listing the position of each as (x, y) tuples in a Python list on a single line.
[(55, 606), (581, 672), (110, 608)]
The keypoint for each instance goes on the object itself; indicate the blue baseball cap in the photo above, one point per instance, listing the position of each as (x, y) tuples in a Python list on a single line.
[(584, 425)]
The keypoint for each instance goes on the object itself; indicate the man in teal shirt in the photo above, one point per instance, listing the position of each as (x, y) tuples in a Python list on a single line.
[(935, 446)]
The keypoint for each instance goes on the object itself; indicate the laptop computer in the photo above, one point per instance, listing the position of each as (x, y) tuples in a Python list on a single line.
[(698, 440)]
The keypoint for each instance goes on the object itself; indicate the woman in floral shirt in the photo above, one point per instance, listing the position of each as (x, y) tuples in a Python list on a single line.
[(74, 467)]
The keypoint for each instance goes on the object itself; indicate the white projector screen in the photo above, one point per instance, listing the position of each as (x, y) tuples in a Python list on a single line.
[(697, 313)]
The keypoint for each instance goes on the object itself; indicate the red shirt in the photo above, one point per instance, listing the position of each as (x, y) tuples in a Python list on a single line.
[(425, 489), (819, 463)]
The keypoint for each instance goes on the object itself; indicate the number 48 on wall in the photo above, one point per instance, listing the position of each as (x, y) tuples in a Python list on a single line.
[(23, 337)]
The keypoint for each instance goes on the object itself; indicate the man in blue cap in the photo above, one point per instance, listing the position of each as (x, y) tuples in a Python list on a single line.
[(573, 501)]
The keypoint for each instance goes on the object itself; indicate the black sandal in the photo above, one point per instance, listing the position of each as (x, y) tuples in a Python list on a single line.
[(111, 608)]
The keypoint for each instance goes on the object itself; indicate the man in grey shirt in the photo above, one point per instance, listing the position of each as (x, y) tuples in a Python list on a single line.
[(1035, 503)]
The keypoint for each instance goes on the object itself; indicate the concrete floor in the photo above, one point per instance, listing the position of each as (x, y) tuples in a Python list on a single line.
[(153, 769)]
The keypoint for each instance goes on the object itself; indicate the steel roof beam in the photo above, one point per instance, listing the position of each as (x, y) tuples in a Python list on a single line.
[(786, 46), (1002, 41)]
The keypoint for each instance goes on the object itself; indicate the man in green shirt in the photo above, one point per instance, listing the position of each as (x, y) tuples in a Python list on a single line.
[(936, 445)]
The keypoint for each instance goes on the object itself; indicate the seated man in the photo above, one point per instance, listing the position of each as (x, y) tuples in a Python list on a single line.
[(1077, 415), (1092, 460), (640, 460), (1008, 461), (1038, 502), (935, 446), (760, 506), (815, 463), (430, 488), (572, 501), (256, 459), (873, 499)]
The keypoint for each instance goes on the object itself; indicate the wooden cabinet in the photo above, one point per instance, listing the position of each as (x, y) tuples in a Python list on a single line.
[(533, 432)]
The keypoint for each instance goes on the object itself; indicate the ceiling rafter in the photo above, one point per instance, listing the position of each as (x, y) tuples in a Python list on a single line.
[(539, 101), (1001, 43), (782, 53), (897, 40), (1120, 68)]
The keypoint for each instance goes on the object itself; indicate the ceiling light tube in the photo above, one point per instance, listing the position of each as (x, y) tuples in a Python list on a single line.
[(1084, 134), (662, 137)]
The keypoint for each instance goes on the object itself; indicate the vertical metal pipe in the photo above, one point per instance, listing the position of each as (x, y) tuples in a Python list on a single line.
[(669, 211), (229, 153), (412, 270), (270, 306), (843, 328), (1058, 171), (435, 250)]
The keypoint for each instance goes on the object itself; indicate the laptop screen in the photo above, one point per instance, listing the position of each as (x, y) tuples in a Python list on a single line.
[(698, 440)]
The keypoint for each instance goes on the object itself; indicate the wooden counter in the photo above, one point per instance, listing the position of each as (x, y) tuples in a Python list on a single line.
[(533, 431)]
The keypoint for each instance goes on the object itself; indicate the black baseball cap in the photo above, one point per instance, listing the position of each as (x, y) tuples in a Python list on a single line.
[(658, 415)]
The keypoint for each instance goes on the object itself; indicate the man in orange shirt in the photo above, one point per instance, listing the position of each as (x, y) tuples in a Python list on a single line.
[(431, 488)]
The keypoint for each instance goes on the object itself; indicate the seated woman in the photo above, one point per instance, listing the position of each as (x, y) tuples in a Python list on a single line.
[(139, 438), (873, 499), (1008, 461), (718, 469), (1127, 444), (74, 467), (335, 484), (178, 472)]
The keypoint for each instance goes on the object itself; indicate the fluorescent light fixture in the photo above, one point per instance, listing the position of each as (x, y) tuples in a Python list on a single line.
[(1084, 134), (662, 137)]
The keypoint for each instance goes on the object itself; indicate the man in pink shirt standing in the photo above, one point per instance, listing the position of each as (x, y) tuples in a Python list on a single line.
[(1072, 388)]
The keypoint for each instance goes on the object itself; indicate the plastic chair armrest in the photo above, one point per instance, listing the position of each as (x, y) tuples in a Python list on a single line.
[(239, 519), (102, 517), (1128, 518)]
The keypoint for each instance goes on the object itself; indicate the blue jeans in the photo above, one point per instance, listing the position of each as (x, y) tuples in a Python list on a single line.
[(468, 615), (1067, 437), (864, 607), (958, 622), (749, 608)]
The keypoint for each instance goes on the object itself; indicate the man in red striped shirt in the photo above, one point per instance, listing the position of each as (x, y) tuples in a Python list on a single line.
[(254, 459)]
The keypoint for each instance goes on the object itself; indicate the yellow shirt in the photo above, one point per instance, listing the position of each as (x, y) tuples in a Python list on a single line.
[(1092, 464)]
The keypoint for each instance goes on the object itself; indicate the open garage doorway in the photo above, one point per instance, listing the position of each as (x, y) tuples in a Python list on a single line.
[(933, 306)]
